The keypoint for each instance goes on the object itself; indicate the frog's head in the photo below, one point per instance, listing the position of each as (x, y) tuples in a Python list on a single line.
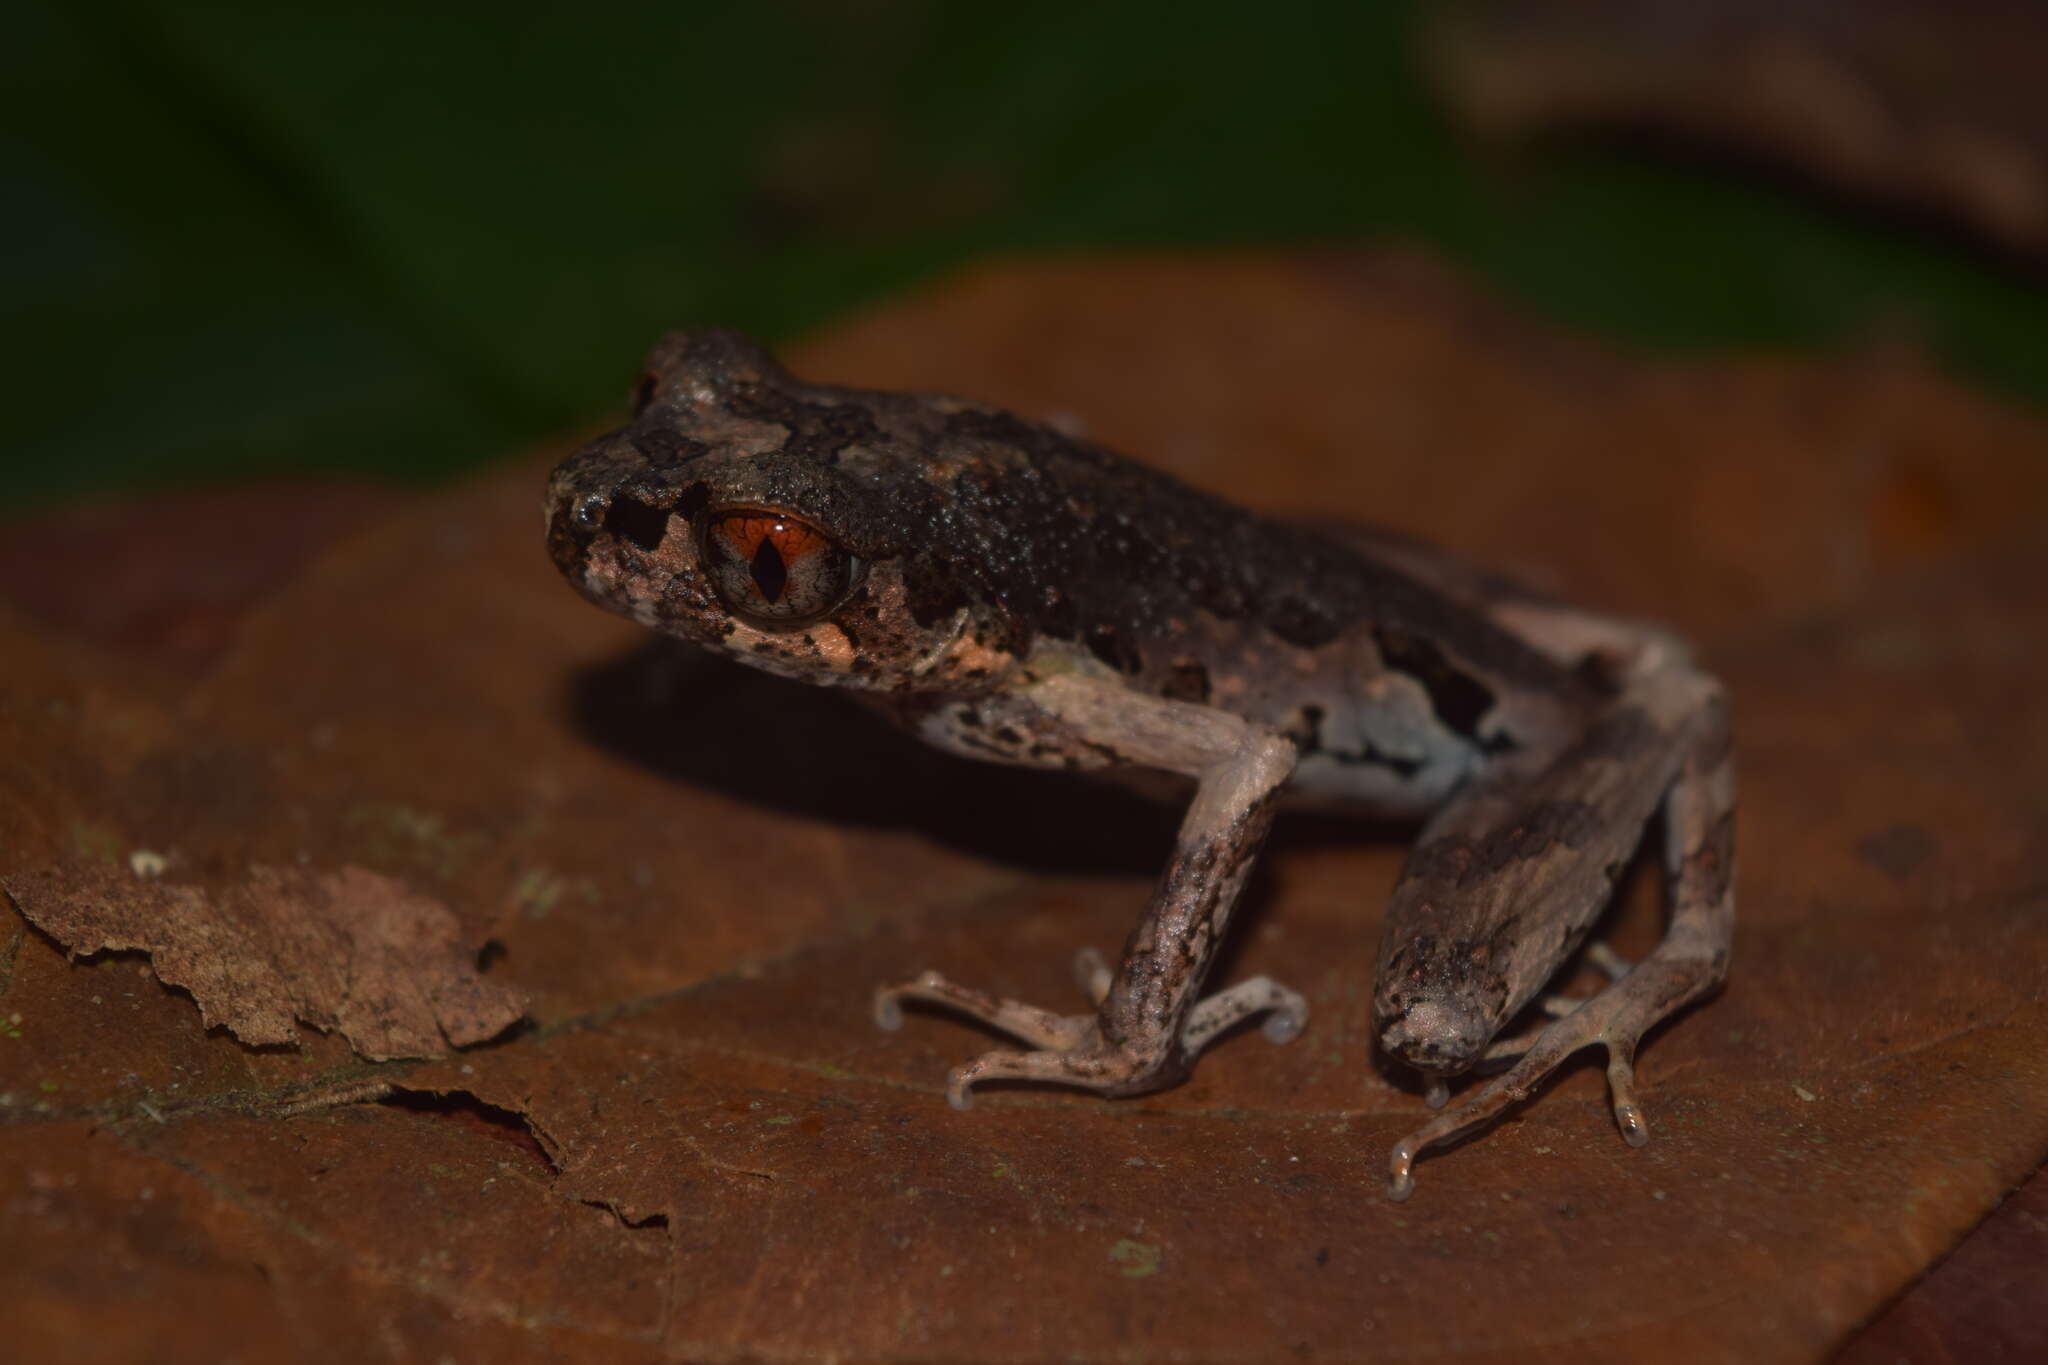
[(789, 525)]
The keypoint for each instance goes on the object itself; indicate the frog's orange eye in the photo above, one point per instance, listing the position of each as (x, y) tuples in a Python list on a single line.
[(774, 567)]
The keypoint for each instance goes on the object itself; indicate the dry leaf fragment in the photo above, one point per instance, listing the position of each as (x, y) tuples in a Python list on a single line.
[(349, 952)]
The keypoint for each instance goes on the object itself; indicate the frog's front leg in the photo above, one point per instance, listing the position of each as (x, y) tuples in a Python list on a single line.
[(1148, 1024), (1506, 881)]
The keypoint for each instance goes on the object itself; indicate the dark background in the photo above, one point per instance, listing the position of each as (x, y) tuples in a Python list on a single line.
[(257, 240)]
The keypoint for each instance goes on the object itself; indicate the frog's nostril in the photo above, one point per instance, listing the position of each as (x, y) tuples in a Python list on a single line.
[(574, 519)]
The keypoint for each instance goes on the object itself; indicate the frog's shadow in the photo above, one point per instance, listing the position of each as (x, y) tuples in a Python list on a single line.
[(695, 717)]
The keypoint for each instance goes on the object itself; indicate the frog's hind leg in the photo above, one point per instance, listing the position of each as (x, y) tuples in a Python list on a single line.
[(1149, 1022), (1690, 961)]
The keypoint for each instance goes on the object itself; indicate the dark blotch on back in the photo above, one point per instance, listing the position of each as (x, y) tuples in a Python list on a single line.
[(1460, 700), (1307, 733), (1454, 860), (1187, 682), (817, 430), (638, 521), (1083, 545), (666, 446), (693, 501), (1115, 648)]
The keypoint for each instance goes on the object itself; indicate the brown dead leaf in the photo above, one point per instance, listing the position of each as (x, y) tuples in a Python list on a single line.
[(704, 1151), (348, 952)]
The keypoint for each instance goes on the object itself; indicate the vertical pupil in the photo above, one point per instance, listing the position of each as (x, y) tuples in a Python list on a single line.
[(771, 575)]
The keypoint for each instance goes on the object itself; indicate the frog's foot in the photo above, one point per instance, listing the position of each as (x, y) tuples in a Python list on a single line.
[(1616, 1019), (1070, 1049), (1286, 1010)]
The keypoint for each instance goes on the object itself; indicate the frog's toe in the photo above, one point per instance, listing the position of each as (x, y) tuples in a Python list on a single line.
[(1286, 1013), (1401, 1171), (1284, 1027), (888, 1013), (888, 1005), (1093, 975), (1093, 1065), (1621, 1092), (1041, 1028), (960, 1087)]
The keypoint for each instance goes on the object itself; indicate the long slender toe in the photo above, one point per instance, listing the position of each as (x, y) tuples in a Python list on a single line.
[(1621, 1090), (1401, 1172), (1284, 1026), (888, 1010), (960, 1087), (1093, 975)]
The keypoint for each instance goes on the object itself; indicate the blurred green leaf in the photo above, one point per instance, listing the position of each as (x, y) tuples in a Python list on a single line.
[(249, 240)]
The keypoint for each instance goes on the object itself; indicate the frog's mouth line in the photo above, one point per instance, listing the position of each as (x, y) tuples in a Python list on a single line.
[(934, 656)]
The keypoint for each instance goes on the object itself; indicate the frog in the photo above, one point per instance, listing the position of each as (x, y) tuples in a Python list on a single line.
[(1009, 590)]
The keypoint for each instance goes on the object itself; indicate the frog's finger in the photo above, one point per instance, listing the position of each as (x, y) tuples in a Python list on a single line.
[(1093, 974), (1093, 1065), (1041, 1028), (1286, 1013)]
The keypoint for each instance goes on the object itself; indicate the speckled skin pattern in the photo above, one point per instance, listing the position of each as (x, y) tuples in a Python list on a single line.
[(1010, 592)]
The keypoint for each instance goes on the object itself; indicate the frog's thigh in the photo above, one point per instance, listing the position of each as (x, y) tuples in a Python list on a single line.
[(1698, 798), (1506, 880), (1147, 1025)]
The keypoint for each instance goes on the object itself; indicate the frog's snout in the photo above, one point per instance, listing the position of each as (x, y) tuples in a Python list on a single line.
[(590, 497), (575, 516), (1436, 1035)]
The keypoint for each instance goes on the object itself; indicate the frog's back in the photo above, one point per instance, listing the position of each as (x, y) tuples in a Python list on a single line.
[(1185, 595), (1072, 555), (1075, 543)]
